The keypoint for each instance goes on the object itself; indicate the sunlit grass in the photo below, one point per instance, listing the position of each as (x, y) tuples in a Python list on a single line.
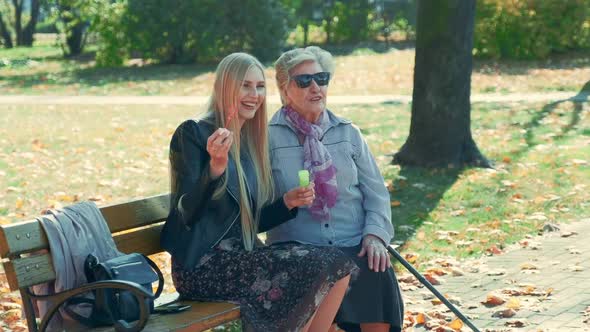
[(51, 156), (358, 72)]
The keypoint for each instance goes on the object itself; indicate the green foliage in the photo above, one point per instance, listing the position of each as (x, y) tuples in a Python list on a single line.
[(106, 22), (526, 29), (46, 26), (349, 20), (191, 30)]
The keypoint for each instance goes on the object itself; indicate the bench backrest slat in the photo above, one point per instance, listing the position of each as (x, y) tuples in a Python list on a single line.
[(145, 240), (136, 213), (131, 219), (29, 271), (29, 236), (22, 237)]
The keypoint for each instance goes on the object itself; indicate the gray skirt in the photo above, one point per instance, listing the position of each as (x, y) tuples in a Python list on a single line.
[(373, 297)]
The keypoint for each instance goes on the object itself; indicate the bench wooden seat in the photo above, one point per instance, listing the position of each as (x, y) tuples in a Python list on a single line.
[(136, 227)]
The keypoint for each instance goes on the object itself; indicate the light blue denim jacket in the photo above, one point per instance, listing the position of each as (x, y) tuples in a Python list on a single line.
[(363, 201)]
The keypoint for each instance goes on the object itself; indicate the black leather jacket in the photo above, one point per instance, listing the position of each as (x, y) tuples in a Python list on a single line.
[(197, 222)]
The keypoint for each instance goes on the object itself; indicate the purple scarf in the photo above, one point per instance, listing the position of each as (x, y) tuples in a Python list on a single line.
[(317, 160)]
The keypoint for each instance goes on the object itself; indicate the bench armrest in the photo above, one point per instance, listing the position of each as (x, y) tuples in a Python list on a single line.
[(60, 298)]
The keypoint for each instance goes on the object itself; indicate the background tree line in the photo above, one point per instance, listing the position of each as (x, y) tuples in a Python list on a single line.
[(187, 31)]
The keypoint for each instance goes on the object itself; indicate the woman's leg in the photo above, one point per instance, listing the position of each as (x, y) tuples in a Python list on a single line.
[(375, 327), (324, 316)]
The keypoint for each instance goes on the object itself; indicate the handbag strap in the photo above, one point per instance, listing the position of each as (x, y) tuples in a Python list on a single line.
[(160, 276)]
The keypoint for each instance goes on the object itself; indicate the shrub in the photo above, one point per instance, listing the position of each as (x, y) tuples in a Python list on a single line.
[(527, 29), (187, 31)]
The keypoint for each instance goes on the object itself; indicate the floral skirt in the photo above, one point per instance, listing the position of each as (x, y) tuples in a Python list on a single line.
[(278, 287)]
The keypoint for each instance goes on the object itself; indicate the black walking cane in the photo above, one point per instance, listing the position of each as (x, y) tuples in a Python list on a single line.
[(430, 287)]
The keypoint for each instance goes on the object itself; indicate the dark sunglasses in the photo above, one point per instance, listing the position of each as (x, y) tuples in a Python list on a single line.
[(304, 80)]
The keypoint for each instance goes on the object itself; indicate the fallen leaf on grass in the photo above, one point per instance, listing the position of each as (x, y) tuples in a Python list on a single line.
[(516, 323), (411, 257), (495, 273), (549, 227), (5, 305), (432, 279), (493, 250), (408, 278), (457, 213), (573, 251), (437, 271), (456, 272), (456, 324), (528, 266), (493, 300), (10, 316), (420, 318), (513, 303), (506, 313), (13, 189), (576, 268), (568, 234)]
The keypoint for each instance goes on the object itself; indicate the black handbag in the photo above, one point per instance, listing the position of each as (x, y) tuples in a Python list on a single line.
[(116, 306)]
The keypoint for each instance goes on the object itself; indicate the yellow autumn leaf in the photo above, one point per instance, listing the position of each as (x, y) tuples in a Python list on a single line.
[(456, 325), (4, 221), (528, 266), (411, 257), (420, 318), (396, 203), (513, 303), (19, 203)]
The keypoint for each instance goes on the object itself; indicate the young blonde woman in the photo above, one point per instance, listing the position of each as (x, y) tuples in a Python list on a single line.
[(222, 196)]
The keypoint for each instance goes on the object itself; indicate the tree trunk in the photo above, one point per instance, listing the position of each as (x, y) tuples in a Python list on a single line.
[(440, 133), (305, 32), (29, 30), (74, 32), (18, 26), (6, 39), (75, 39), (328, 29), (359, 20)]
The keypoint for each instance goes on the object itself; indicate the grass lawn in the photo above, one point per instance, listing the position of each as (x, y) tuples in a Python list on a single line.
[(51, 157), (42, 70)]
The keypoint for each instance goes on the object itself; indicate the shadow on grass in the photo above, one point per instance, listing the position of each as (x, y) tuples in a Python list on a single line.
[(570, 60), (419, 190), (97, 77), (536, 121), (368, 47)]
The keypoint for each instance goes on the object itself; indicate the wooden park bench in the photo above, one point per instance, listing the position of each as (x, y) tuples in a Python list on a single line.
[(136, 227)]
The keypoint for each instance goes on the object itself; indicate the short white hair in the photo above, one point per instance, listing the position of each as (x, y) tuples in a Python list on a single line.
[(293, 58)]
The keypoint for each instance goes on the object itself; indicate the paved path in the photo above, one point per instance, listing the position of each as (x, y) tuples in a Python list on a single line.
[(198, 100), (551, 263)]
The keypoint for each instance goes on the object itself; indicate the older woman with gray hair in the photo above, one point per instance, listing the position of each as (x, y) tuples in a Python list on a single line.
[(351, 209)]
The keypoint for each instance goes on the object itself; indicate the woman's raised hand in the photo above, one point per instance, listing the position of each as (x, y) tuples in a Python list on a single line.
[(218, 145), (299, 196)]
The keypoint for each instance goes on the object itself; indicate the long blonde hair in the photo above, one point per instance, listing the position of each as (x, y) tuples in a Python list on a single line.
[(224, 102)]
